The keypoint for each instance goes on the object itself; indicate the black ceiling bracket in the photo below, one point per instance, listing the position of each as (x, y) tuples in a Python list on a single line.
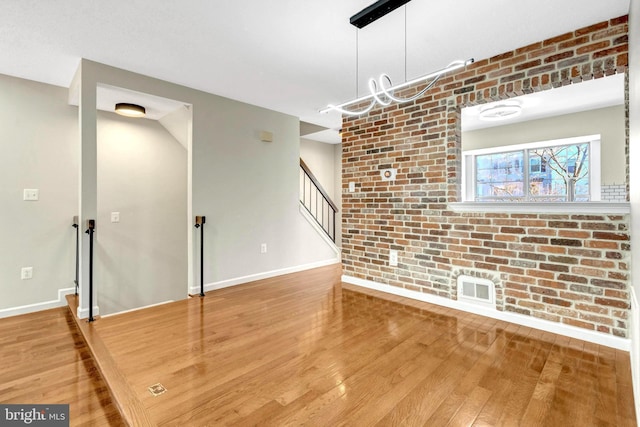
[(375, 11)]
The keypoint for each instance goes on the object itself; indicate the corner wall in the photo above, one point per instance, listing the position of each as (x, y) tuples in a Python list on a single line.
[(246, 188), (634, 189), (38, 149), (568, 268)]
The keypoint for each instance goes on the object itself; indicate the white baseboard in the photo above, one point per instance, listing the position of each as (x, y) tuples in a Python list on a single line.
[(519, 319), (83, 313), (137, 308), (635, 351), (39, 306), (259, 276)]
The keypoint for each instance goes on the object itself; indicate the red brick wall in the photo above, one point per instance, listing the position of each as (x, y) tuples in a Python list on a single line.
[(570, 268)]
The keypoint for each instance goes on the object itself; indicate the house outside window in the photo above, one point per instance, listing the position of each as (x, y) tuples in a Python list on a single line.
[(564, 170)]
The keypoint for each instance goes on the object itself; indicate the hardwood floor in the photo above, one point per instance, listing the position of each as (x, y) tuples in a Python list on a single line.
[(304, 349), (44, 360)]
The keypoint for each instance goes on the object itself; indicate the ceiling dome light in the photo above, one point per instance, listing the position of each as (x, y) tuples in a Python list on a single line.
[(130, 110), (500, 111)]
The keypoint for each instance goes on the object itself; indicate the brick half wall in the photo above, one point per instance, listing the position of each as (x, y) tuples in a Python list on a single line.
[(569, 268)]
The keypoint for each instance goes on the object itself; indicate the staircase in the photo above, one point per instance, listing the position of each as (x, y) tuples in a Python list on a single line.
[(317, 202)]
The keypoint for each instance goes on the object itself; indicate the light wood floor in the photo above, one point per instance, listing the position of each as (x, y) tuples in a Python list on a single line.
[(43, 360), (304, 349)]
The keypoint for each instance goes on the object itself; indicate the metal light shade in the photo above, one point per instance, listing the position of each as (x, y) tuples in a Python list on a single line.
[(130, 110)]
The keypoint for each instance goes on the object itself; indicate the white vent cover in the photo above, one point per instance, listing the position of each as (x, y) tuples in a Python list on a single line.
[(476, 291)]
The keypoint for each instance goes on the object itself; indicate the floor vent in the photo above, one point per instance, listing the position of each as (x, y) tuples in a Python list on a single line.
[(476, 291), (157, 389)]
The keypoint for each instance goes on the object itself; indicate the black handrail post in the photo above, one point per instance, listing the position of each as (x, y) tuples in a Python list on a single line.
[(91, 225), (333, 234), (77, 227), (200, 220)]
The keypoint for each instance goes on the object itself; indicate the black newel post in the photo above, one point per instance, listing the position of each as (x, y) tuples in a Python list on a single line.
[(200, 220), (77, 227), (91, 225)]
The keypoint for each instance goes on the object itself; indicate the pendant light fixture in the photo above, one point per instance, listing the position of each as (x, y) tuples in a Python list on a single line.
[(130, 110), (379, 94), (382, 91), (504, 110)]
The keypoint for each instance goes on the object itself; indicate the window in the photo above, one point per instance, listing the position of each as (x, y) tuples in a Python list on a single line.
[(564, 170)]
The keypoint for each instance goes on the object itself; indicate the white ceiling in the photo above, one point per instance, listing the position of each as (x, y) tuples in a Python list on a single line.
[(291, 56)]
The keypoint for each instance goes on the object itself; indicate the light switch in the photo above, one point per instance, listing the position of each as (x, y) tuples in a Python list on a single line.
[(352, 187), (30, 194), (115, 216)]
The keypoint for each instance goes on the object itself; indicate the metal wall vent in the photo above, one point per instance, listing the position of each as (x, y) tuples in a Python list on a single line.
[(476, 291)]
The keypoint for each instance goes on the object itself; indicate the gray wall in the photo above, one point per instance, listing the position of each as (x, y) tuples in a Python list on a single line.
[(249, 192), (247, 189), (38, 149), (608, 122), (142, 174)]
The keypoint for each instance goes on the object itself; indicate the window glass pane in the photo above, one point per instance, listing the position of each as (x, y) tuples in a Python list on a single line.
[(500, 175), (551, 170)]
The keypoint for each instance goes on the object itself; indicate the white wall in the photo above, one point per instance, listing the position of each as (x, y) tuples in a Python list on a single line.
[(320, 157), (608, 122), (142, 175), (325, 161), (38, 149), (634, 178)]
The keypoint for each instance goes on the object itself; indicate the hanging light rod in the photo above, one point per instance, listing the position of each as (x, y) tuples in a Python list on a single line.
[(379, 94), (375, 11)]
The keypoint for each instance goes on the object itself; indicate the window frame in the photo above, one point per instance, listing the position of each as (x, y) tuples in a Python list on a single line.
[(469, 168)]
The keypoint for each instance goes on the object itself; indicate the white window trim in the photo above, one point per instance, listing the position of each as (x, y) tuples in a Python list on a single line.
[(469, 173)]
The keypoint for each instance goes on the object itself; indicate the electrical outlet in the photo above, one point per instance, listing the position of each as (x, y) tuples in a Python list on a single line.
[(115, 216), (26, 273), (393, 258), (263, 248), (30, 194)]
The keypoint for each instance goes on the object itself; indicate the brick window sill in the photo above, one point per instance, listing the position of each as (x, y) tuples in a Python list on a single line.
[(536, 207)]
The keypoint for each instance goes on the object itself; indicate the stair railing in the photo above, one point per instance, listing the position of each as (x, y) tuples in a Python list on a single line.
[(317, 202)]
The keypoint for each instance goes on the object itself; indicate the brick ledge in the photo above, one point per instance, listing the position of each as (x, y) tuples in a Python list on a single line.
[(533, 207)]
